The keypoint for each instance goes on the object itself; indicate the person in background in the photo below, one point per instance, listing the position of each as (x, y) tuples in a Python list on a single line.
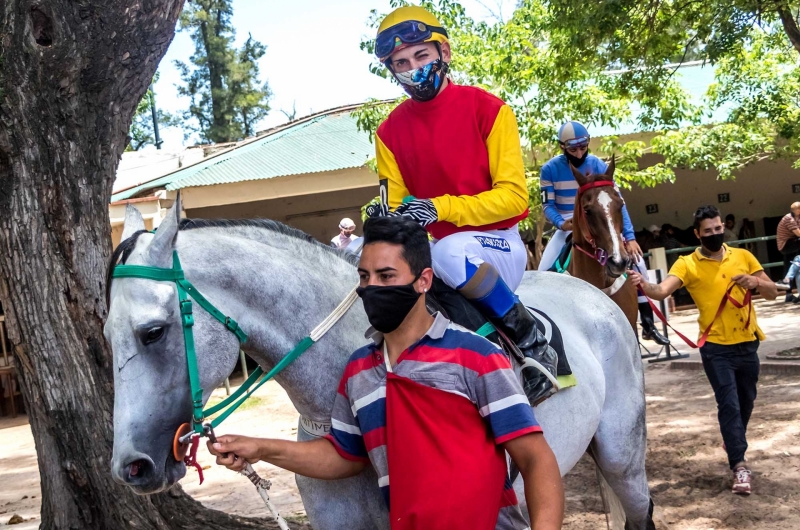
[(653, 239), (786, 282), (713, 274), (748, 231), (559, 189), (730, 224), (788, 236), (668, 237), (345, 237)]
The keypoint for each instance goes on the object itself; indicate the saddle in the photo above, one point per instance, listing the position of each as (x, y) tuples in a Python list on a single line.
[(562, 262), (454, 306)]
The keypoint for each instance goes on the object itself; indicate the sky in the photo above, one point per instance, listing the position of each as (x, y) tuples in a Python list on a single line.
[(313, 59)]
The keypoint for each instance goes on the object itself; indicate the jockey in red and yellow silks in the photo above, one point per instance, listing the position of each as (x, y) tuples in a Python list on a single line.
[(450, 158)]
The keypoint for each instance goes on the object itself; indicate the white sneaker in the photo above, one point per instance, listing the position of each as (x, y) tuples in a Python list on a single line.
[(741, 481)]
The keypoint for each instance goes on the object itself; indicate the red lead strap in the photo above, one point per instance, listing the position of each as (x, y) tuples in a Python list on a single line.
[(191, 457), (748, 301)]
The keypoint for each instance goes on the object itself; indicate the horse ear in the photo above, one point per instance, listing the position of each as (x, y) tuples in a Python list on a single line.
[(134, 222), (160, 249), (579, 177), (611, 167)]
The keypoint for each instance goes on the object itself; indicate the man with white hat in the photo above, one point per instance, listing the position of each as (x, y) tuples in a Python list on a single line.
[(345, 236)]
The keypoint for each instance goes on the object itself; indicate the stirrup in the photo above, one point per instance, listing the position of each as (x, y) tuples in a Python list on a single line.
[(533, 363)]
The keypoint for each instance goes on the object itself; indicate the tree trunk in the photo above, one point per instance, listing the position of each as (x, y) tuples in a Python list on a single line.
[(71, 75), (789, 23)]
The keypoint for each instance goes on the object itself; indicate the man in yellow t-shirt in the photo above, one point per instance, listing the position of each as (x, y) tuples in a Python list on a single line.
[(730, 353)]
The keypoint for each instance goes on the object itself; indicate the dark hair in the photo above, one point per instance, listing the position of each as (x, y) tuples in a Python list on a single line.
[(730, 217), (404, 232), (703, 213)]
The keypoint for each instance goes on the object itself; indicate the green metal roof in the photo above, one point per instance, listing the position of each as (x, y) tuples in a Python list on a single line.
[(324, 143)]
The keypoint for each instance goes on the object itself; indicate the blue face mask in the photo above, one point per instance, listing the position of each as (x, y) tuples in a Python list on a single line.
[(424, 83)]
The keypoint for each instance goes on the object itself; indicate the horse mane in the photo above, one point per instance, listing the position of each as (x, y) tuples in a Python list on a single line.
[(124, 249)]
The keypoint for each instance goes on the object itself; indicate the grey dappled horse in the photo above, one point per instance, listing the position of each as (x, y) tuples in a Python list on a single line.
[(279, 284)]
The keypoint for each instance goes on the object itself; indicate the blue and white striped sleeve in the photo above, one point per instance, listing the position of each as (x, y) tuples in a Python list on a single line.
[(345, 432), (501, 400), (549, 197)]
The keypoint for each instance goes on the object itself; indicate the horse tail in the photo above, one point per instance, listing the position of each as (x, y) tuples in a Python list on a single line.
[(615, 514), (612, 506)]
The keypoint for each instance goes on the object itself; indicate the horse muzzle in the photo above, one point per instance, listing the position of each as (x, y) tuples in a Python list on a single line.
[(138, 471), (616, 267)]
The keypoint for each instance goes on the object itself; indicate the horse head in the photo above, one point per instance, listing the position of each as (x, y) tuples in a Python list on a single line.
[(152, 395), (597, 222)]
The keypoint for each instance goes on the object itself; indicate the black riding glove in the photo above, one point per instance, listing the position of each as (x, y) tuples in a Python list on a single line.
[(420, 210)]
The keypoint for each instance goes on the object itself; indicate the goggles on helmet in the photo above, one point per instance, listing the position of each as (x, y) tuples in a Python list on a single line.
[(407, 32), (576, 143)]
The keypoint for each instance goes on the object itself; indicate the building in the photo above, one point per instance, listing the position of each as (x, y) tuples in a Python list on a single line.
[(308, 173), (311, 172)]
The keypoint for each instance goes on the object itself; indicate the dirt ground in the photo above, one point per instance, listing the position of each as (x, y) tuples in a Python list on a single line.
[(687, 470)]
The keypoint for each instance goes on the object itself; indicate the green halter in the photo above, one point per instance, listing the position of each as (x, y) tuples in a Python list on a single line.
[(186, 291)]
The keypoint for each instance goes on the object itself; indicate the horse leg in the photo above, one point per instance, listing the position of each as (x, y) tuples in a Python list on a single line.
[(619, 450)]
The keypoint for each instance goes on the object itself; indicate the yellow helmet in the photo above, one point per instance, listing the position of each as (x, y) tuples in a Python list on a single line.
[(406, 26)]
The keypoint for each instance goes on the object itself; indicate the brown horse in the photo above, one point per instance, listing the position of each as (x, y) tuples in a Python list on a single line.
[(599, 254)]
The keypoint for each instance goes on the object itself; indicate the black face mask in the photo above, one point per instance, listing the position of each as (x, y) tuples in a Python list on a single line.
[(712, 243), (388, 306), (574, 160)]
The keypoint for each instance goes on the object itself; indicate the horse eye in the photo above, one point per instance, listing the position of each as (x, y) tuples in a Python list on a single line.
[(153, 334)]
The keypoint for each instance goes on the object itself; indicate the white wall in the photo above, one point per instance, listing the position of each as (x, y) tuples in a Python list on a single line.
[(760, 190), (317, 214)]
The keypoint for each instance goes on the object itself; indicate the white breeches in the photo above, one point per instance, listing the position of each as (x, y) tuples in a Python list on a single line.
[(553, 248), (457, 256)]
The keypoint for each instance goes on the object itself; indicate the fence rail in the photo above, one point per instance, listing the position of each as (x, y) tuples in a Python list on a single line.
[(736, 242)]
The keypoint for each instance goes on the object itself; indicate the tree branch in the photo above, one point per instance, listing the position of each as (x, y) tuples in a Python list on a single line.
[(789, 23)]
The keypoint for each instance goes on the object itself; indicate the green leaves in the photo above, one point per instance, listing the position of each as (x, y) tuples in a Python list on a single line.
[(612, 62), (142, 132), (227, 99)]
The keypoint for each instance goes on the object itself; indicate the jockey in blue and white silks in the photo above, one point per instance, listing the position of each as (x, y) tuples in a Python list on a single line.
[(559, 189)]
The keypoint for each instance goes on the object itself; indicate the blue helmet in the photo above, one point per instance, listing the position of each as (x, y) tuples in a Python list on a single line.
[(573, 134)]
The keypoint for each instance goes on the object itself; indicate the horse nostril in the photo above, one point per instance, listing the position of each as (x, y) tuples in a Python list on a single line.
[(137, 471), (134, 468)]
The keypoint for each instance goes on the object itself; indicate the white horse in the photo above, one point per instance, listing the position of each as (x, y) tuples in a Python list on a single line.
[(278, 284)]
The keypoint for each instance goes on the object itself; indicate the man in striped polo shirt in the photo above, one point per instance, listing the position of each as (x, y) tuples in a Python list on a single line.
[(429, 403)]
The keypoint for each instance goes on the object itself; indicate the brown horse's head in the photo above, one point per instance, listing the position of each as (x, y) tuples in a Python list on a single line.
[(597, 222)]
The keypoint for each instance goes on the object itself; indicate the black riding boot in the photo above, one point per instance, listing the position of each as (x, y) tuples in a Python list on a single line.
[(649, 331), (520, 326)]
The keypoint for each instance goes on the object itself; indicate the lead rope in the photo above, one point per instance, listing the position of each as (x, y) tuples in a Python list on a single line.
[(262, 485)]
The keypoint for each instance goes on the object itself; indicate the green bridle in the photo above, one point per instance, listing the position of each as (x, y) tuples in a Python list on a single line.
[(187, 292)]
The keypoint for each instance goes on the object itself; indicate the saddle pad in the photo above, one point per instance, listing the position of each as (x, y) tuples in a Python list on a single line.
[(552, 333), (564, 256)]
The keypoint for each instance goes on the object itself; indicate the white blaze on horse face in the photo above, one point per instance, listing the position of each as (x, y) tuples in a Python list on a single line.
[(605, 200)]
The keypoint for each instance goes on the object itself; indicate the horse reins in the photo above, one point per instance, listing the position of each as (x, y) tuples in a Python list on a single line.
[(187, 438), (746, 302), (598, 254)]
